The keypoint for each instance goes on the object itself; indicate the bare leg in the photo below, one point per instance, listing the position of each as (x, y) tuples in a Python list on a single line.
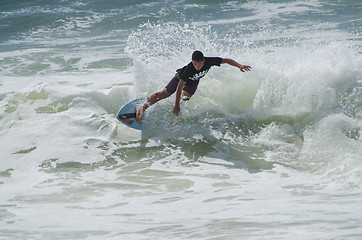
[(151, 100)]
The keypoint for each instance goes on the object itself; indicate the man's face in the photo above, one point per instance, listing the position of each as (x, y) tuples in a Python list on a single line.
[(198, 65)]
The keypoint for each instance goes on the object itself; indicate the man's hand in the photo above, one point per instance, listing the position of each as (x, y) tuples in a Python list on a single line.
[(234, 63), (176, 110), (180, 86), (244, 68)]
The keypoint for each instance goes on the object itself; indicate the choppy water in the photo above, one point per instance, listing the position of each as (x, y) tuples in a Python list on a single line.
[(271, 154)]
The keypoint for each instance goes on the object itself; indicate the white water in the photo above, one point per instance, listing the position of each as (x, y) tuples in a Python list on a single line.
[(270, 154)]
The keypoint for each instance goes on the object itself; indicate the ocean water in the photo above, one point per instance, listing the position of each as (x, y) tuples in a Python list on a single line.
[(275, 153)]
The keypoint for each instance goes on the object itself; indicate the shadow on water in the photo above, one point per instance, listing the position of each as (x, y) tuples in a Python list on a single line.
[(218, 142)]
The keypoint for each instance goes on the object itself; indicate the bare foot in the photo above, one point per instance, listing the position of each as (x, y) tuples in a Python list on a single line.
[(127, 121), (139, 114)]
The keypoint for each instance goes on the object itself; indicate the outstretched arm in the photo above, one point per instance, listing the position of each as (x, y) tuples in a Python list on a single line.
[(234, 63), (180, 86)]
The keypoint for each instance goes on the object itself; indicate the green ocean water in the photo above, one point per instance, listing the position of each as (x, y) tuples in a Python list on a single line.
[(275, 153)]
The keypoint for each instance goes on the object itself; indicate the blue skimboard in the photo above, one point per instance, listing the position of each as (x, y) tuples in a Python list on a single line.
[(127, 113)]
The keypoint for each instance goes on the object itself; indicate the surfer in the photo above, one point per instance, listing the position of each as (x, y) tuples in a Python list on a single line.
[(186, 80)]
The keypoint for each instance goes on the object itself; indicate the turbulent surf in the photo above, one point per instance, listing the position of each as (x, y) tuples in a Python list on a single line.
[(275, 153)]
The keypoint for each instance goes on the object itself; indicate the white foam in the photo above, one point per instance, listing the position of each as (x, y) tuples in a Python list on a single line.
[(270, 153)]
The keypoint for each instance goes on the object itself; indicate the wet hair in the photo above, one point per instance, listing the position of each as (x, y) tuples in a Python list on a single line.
[(197, 56)]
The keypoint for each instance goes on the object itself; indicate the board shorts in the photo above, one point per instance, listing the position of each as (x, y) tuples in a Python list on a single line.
[(189, 88)]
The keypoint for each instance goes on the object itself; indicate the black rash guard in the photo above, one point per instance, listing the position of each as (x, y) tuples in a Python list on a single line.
[(191, 76)]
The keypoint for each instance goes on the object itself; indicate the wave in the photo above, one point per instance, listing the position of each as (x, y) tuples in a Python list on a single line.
[(301, 99), (291, 80), (296, 86)]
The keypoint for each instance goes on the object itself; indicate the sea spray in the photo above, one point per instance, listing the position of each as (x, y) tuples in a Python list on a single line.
[(273, 153)]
